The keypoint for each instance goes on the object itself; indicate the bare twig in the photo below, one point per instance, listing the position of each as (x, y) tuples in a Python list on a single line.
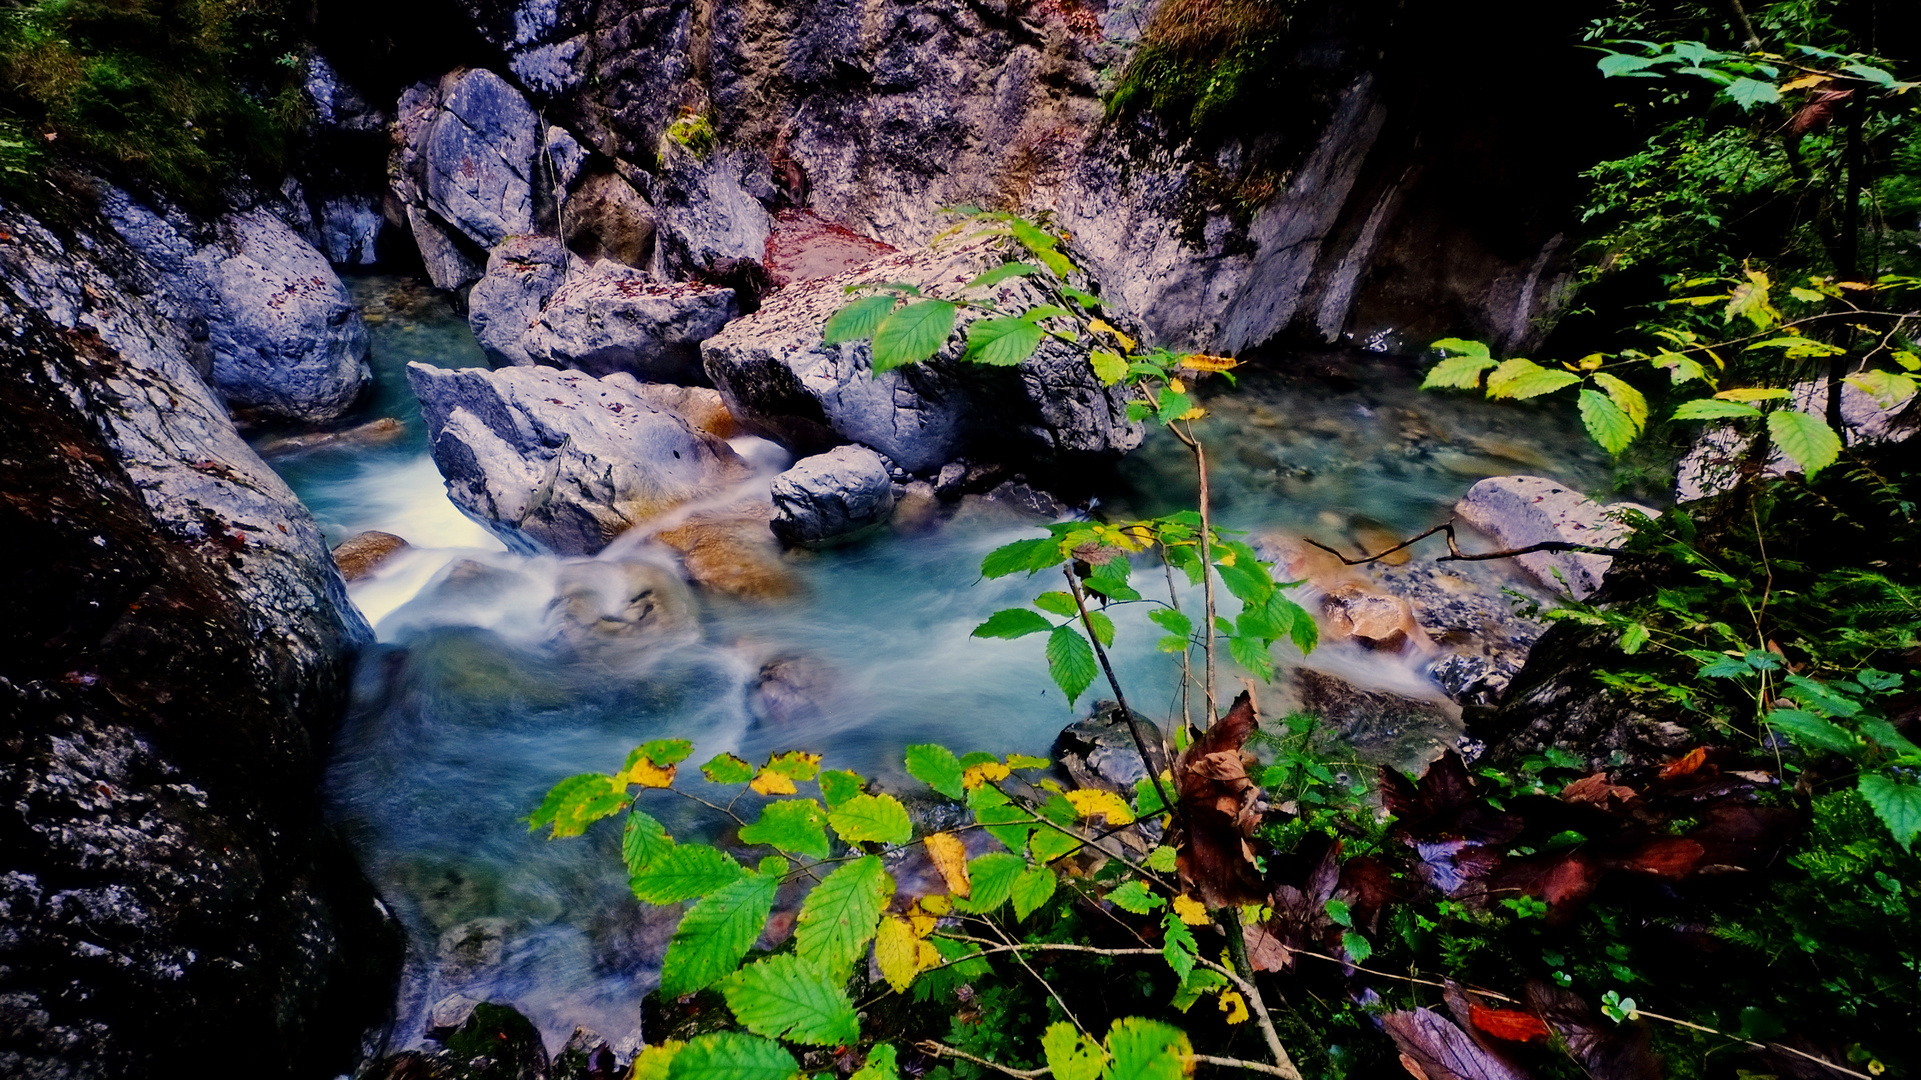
[(1120, 699), (1455, 554)]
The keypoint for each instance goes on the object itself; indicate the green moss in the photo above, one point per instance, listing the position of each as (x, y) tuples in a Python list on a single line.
[(694, 131), (1200, 61)]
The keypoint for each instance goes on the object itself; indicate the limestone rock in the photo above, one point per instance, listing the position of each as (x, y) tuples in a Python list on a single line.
[(479, 157), (1521, 510), (703, 213), (700, 406), (605, 218), (449, 262), (828, 496), (781, 382), (1375, 619), (359, 554), (522, 274), (615, 318), (563, 460), (731, 550)]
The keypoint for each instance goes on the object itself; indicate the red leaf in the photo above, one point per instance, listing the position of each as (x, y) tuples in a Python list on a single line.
[(1440, 1051), (1684, 764), (1510, 1024)]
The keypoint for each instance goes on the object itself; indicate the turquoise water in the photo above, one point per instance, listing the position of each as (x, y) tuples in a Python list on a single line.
[(478, 697)]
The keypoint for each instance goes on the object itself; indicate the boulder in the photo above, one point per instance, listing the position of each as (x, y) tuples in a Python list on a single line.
[(1375, 619), (1100, 752), (781, 382), (615, 318), (359, 554), (479, 156), (605, 218), (1464, 610), (830, 496), (700, 406), (449, 262), (281, 330), (522, 274), (562, 460), (703, 213), (1380, 726), (730, 550), (1518, 511)]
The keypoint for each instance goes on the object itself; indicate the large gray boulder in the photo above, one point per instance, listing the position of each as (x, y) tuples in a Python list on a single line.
[(522, 274), (705, 216), (281, 330), (1519, 511), (615, 318), (780, 381), (479, 157), (832, 495), (561, 460)]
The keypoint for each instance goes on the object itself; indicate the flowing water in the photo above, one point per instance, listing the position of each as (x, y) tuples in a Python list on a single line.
[(488, 683)]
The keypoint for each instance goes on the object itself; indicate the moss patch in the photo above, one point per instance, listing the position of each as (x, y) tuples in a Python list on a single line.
[(1201, 61)]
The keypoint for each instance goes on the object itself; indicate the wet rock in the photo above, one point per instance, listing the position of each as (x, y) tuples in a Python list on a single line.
[(1375, 619), (615, 318), (449, 1015), (831, 496), (560, 459), (495, 1043), (602, 600), (359, 554), (563, 154), (1462, 607), (372, 433), (790, 690), (1521, 510), (1379, 725), (586, 1056), (1024, 497), (469, 950), (1100, 752), (479, 155), (781, 382), (701, 406), (1719, 459), (522, 274), (732, 551), (915, 507), (1556, 700), (607, 219), (282, 333), (704, 216)]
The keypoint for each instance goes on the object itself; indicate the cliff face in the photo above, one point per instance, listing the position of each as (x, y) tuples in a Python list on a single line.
[(177, 642), (1374, 194)]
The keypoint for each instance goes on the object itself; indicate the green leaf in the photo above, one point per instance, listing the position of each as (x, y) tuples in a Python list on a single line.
[(662, 752), (1810, 730), (1710, 409), (1134, 896), (1103, 628), (1028, 555), (1807, 439), (999, 274), (1043, 312), (936, 766), (1749, 93), (1605, 422), (1898, 805), (993, 876), (912, 334), (1032, 237), (1145, 1050), (858, 320), (1050, 844), (1109, 367), (1070, 660), (570, 803), (794, 764), (1057, 603), (1885, 387), (1616, 64), (1172, 406), (883, 1063), (1161, 859), (1519, 379), (643, 841), (1631, 401), (1172, 621), (1251, 653), (685, 871), (1179, 948), (1002, 342), (1012, 623), (786, 997), (839, 917), (1003, 820), (1198, 982), (1754, 393), (714, 934), (1085, 299), (1339, 911), (727, 769), (1357, 947), (1033, 888), (1027, 761), (879, 818), (729, 1055), (653, 1062), (1459, 373), (1461, 347), (792, 825), (838, 785), (1071, 1055)]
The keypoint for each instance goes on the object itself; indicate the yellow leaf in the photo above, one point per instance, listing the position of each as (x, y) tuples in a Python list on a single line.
[(647, 774), (1192, 414), (1804, 82), (936, 905), (1191, 911), (1091, 801), (950, 858), (1592, 361), (1177, 386), (928, 956), (922, 923), (1102, 326), (652, 1061), (985, 772), (897, 952), (769, 782), (1234, 1005), (1204, 362)]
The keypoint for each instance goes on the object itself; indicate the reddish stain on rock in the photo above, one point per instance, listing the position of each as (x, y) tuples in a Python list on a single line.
[(804, 246)]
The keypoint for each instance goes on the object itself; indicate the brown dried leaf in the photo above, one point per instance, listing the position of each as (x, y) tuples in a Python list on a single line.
[(1434, 1048), (1219, 809)]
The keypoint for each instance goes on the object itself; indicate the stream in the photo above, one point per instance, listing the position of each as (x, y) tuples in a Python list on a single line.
[(484, 689)]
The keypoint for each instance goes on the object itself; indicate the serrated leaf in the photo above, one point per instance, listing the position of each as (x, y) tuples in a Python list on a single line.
[(949, 856), (1178, 947), (937, 767), (1749, 93), (1356, 947), (1134, 896), (838, 785), (912, 334), (1680, 368), (1631, 401), (769, 782), (1898, 805), (1457, 372), (1461, 347), (727, 769), (1171, 406), (730, 1055), (883, 1063), (643, 841), (1811, 730), (1144, 1049), (1003, 820), (577, 802), (1710, 409), (897, 952), (1070, 660), (877, 818), (1806, 439), (999, 274), (1252, 654), (1057, 603), (1002, 342), (1616, 64), (792, 825), (1606, 424), (1071, 1055), (1885, 387), (1109, 367), (858, 320), (1750, 298), (992, 876), (786, 997), (838, 918), (653, 1062), (1012, 623), (1027, 761), (1099, 802), (1161, 859), (662, 752), (1033, 888), (1172, 621), (1049, 844), (683, 872), (1043, 312), (1028, 555), (715, 933), (795, 764), (1103, 628)]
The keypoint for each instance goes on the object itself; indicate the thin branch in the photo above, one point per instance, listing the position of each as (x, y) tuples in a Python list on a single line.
[(936, 1049), (1127, 714), (1455, 554)]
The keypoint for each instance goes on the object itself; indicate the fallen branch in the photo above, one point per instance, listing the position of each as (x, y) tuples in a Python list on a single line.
[(1455, 554)]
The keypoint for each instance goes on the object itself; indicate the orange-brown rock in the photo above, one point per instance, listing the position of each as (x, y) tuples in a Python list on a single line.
[(358, 555), (732, 551), (1376, 619)]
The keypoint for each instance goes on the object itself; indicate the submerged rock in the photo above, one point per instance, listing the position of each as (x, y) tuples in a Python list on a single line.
[(1518, 511), (618, 601), (359, 554), (563, 460), (829, 496), (731, 550), (615, 318), (1375, 619)]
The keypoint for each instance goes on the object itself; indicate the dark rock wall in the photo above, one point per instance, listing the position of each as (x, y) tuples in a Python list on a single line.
[(173, 650)]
